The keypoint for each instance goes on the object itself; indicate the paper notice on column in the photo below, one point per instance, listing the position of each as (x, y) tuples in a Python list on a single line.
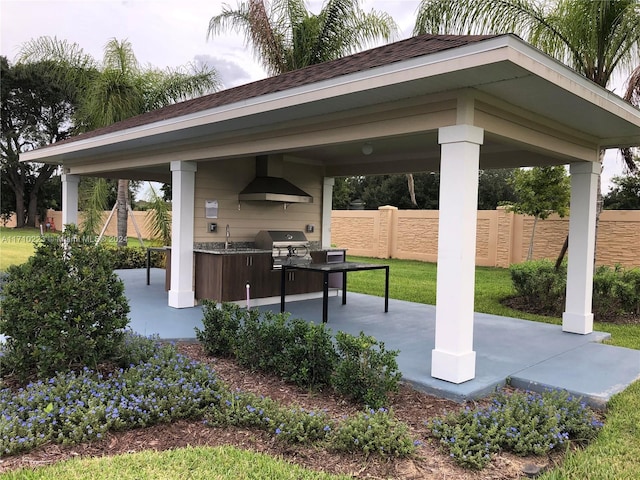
[(211, 208)]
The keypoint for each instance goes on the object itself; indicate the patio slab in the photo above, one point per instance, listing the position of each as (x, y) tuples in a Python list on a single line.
[(530, 355)]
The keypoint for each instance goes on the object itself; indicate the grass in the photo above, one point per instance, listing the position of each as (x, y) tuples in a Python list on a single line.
[(16, 244), (615, 453), (192, 463)]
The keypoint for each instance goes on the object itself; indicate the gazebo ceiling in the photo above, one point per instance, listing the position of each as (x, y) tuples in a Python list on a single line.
[(534, 110)]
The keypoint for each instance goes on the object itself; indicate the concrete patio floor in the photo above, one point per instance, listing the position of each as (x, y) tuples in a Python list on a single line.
[(530, 355)]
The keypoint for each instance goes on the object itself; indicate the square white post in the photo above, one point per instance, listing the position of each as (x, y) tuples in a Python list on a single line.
[(70, 199), (453, 358), (183, 175), (327, 205), (578, 316)]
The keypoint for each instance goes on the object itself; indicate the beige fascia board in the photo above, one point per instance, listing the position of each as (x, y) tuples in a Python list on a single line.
[(472, 55)]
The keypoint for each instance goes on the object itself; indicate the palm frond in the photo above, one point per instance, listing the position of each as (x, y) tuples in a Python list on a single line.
[(119, 56), (159, 222), (95, 206)]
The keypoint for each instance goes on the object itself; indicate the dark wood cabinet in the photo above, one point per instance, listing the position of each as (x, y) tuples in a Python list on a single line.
[(224, 277)]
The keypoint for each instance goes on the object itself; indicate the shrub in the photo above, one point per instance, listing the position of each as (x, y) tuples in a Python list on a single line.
[(221, 328), (76, 407), (263, 341), (616, 291), (374, 431), (310, 357), (134, 257), (295, 350), (63, 308), (366, 371), (539, 284), (523, 423)]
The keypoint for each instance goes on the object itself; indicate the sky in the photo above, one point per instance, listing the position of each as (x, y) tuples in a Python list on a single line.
[(171, 34)]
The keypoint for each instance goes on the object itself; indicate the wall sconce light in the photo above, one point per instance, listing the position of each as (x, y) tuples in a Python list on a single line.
[(367, 149)]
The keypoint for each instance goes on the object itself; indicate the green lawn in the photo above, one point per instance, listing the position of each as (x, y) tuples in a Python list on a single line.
[(188, 463), (16, 244)]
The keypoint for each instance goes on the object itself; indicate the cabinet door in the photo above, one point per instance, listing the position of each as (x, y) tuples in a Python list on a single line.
[(240, 269), (236, 273), (208, 276)]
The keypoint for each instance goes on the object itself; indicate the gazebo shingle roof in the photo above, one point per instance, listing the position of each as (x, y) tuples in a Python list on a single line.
[(376, 57)]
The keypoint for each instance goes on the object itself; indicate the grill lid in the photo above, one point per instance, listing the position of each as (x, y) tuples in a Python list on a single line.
[(266, 239)]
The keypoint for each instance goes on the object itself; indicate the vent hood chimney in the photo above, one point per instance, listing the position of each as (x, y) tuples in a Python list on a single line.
[(270, 186)]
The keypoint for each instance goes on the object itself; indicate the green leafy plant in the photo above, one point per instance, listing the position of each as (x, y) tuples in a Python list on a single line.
[(221, 328), (616, 291), (366, 371), (539, 284), (523, 423), (309, 357), (64, 308), (374, 431), (133, 257)]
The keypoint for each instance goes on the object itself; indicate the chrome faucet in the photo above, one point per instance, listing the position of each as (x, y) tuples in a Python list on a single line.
[(228, 234)]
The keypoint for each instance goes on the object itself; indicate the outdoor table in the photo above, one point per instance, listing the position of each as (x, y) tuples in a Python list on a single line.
[(328, 268), (149, 250)]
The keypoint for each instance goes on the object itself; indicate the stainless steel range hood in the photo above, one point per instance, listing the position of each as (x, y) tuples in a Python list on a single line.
[(270, 186)]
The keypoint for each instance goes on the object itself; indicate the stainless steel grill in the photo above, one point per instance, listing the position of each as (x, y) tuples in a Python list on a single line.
[(288, 247)]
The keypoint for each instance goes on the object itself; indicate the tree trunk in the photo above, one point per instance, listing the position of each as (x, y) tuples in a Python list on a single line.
[(44, 174), (533, 232), (123, 193), (20, 219)]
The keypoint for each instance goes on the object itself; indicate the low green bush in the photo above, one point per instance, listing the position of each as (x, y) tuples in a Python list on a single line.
[(366, 371), (616, 291), (64, 308), (374, 431), (76, 407), (522, 423), (221, 328), (301, 352), (370, 432), (134, 257), (539, 284)]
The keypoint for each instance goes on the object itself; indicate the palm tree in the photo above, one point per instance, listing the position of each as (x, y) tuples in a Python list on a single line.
[(285, 36), (116, 89), (632, 95), (594, 37)]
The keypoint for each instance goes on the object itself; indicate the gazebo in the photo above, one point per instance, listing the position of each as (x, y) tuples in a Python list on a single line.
[(435, 102)]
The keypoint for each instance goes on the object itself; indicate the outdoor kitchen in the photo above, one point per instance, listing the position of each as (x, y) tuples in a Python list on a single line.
[(250, 221)]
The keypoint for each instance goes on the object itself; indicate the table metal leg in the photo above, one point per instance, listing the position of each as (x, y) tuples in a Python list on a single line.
[(325, 296), (386, 289), (283, 287), (148, 266), (344, 288)]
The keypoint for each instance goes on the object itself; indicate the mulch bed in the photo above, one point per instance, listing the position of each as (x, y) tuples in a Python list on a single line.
[(409, 405)]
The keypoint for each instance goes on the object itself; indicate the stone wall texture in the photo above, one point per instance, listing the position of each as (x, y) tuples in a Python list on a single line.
[(502, 237)]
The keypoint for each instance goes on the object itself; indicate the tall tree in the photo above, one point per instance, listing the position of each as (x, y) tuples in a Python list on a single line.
[(35, 111), (541, 191), (625, 195), (285, 36), (117, 88), (597, 38)]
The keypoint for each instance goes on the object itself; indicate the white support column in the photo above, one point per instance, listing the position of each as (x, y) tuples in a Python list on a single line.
[(70, 199), (453, 358), (578, 316), (183, 175), (327, 205)]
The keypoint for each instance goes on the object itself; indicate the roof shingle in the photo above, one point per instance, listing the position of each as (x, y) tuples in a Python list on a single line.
[(368, 59)]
